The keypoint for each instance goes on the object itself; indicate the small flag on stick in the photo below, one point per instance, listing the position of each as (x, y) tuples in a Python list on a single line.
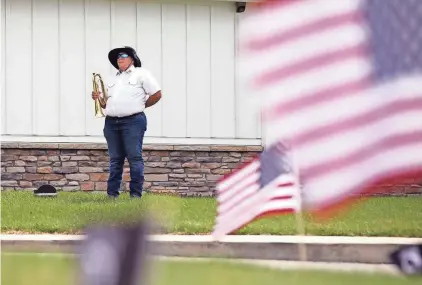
[(264, 186)]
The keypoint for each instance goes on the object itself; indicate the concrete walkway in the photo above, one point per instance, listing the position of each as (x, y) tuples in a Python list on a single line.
[(273, 264), (232, 238), (372, 250), (300, 265)]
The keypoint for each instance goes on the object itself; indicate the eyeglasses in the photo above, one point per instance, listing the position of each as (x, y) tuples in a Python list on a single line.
[(122, 55)]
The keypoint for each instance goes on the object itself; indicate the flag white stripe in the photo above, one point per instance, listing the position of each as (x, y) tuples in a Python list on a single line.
[(270, 206), (238, 197), (239, 187), (392, 160), (258, 204), (269, 191), (293, 15), (343, 143), (238, 176), (312, 81), (342, 108), (335, 39), (228, 226), (331, 148), (247, 204)]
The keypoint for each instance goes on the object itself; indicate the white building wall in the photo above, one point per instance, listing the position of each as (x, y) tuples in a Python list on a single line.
[(51, 47)]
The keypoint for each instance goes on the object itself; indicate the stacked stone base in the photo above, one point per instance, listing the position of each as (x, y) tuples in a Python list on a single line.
[(183, 170)]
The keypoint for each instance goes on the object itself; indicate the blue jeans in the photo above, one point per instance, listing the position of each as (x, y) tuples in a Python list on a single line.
[(124, 139)]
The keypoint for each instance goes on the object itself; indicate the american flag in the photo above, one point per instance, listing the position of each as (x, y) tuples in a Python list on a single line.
[(341, 80), (266, 185)]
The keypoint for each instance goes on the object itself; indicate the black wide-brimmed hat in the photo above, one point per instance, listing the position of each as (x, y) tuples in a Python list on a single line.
[(45, 190), (112, 56)]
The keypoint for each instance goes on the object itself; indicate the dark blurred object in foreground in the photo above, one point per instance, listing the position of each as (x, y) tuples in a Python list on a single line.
[(112, 255), (408, 259), (45, 191)]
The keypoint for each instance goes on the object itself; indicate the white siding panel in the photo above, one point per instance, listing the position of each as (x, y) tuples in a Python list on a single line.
[(174, 70), (123, 23), (258, 124), (3, 65), (222, 73), (18, 67), (72, 67), (46, 67), (247, 112), (97, 38), (149, 50), (190, 48), (198, 72)]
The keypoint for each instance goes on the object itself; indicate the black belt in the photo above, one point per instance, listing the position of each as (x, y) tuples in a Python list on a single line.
[(125, 117)]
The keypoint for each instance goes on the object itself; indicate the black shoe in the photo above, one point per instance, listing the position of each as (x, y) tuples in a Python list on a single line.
[(135, 197)]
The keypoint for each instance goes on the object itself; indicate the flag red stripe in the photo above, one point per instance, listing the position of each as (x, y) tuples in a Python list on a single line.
[(363, 153), (358, 121), (235, 194), (272, 213), (305, 30), (285, 72), (285, 184), (268, 213), (282, 197), (227, 222), (332, 207), (265, 5), (247, 197), (313, 100), (239, 201)]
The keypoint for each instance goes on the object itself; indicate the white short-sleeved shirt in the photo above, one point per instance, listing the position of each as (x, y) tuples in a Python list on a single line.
[(129, 90)]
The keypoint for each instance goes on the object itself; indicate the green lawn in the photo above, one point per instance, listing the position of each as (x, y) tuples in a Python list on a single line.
[(61, 269), (71, 212)]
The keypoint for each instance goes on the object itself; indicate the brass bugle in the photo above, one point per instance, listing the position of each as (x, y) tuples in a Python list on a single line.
[(101, 102)]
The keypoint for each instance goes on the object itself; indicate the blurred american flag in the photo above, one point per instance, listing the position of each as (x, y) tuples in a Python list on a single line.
[(342, 82)]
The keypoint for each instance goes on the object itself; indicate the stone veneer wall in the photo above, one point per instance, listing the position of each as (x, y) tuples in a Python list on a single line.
[(185, 170)]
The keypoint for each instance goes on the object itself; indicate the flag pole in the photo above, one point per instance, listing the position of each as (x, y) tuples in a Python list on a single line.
[(301, 232), (300, 224)]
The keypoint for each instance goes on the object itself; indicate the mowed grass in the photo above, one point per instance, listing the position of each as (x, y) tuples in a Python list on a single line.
[(60, 269), (70, 213)]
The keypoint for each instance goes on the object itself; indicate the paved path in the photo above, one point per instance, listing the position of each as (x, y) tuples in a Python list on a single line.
[(301, 265), (374, 250), (273, 264), (234, 239)]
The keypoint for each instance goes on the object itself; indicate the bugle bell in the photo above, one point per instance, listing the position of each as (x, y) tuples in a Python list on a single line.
[(101, 102)]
